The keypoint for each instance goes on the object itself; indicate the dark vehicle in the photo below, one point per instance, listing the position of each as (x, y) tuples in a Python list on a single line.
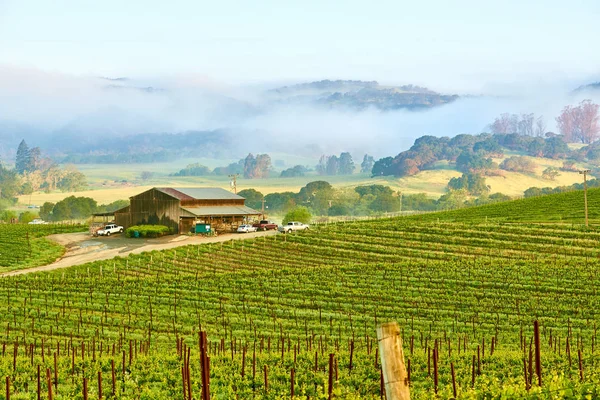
[(265, 225)]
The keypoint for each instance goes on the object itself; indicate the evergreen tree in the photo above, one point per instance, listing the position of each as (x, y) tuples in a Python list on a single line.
[(22, 161)]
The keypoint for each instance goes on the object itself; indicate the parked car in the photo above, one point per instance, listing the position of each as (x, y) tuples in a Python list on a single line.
[(109, 230), (293, 226), (246, 229), (265, 225), (37, 221)]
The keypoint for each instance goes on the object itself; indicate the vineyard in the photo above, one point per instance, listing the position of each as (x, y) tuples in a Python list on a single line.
[(23, 245), (295, 315), (559, 208)]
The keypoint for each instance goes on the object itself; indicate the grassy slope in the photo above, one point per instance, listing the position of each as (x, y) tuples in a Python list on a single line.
[(563, 207)]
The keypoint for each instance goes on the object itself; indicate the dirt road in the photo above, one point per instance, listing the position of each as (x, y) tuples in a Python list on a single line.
[(81, 248)]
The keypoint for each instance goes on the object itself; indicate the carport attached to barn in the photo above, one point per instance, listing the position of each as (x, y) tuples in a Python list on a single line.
[(218, 217)]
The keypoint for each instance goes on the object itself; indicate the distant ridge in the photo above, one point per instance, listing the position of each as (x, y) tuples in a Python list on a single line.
[(358, 95)]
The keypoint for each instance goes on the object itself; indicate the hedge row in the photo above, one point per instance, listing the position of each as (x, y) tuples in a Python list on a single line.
[(151, 231)]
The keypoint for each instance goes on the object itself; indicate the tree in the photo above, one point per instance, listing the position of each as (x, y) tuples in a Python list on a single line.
[(34, 159), (257, 167), (569, 166), (579, 123), (346, 164), (367, 164), (253, 198), (316, 195), (321, 167), (540, 126), (22, 160), (73, 181), (588, 120), (195, 169), (525, 125), (294, 172), (468, 162), (385, 202), (506, 123), (73, 208), (27, 216), (333, 165), (8, 216), (473, 184), (550, 173), (46, 211), (518, 164), (382, 167), (280, 202), (145, 175), (300, 214)]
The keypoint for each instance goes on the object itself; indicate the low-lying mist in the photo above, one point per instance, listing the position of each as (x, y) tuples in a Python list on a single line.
[(45, 107)]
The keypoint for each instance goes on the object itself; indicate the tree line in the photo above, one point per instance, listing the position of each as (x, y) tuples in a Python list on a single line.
[(32, 172)]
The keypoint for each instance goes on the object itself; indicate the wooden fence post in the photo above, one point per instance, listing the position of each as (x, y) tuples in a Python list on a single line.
[(395, 377)]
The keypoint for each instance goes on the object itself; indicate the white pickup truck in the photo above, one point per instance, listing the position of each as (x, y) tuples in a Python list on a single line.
[(293, 226), (110, 229)]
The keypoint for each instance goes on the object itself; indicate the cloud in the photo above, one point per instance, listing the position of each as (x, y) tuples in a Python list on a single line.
[(93, 107)]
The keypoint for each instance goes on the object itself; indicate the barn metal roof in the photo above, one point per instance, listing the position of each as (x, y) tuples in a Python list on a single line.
[(221, 210), (204, 193)]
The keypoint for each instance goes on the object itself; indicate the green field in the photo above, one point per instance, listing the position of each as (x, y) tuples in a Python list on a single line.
[(25, 246), (469, 288)]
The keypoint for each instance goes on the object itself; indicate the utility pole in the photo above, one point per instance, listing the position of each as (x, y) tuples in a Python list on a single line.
[(584, 173), (263, 208), (233, 182)]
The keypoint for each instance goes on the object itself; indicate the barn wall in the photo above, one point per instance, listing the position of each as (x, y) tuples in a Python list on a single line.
[(154, 207)]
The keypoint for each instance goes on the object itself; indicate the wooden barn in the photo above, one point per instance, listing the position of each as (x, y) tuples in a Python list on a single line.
[(181, 208)]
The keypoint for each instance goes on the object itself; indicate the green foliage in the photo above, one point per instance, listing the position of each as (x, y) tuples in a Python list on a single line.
[(73, 181), (147, 231), (473, 184), (468, 281), (518, 164), (114, 206), (294, 172), (195, 169), (280, 202), (550, 173), (46, 211), (474, 162), (8, 216), (374, 190), (253, 198), (22, 160), (566, 207), (418, 202), (382, 167), (73, 207), (233, 168), (300, 214), (27, 216)]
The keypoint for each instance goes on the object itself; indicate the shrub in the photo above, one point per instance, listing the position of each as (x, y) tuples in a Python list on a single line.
[(518, 164), (300, 214), (27, 217), (150, 231)]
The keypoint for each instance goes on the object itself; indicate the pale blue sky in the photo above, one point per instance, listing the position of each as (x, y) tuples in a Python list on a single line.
[(442, 44)]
